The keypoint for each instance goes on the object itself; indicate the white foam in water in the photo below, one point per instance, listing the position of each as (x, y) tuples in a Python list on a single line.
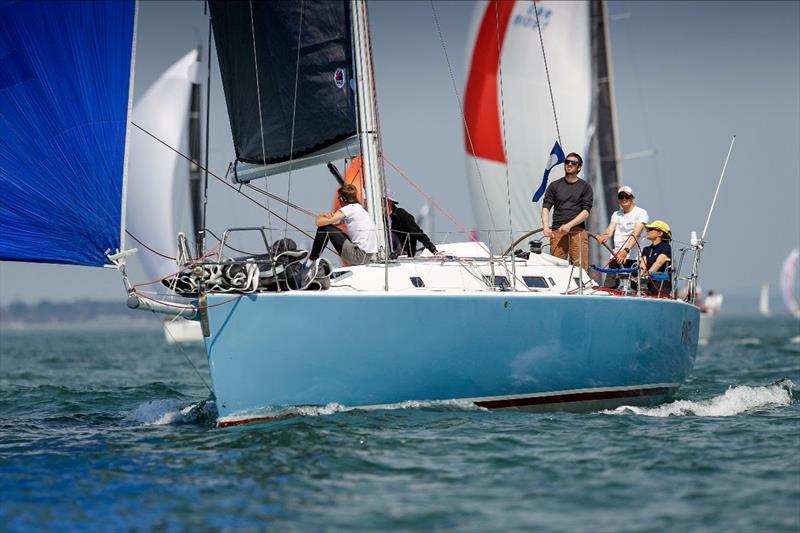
[(748, 341), (735, 400), (795, 340), (465, 405), (331, 408), (163, 412)]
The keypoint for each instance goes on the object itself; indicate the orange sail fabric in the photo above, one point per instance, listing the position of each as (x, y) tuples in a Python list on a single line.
[(355, 177)]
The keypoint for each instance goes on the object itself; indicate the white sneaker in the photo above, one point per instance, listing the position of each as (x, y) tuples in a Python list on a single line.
[(309, 272)]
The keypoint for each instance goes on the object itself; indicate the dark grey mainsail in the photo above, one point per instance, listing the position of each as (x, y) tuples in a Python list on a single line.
[(280, 109)]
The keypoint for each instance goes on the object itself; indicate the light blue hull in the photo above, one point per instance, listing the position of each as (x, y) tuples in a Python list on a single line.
[(499, 349)]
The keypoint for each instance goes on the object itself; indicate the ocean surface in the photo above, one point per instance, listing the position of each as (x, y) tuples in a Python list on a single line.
[(106, 430)]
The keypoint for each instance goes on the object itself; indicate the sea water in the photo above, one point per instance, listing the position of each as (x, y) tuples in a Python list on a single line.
[(108, 430)]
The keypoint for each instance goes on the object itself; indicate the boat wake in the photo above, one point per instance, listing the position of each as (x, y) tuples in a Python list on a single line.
[(280, 413), (171, 412), (736, 400)]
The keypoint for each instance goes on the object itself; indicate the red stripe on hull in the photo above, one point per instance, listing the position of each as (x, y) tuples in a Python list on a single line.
[(574, 397), (481, 103)]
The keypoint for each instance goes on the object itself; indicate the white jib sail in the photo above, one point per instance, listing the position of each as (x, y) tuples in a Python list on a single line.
[(163, 111), (526, 108)]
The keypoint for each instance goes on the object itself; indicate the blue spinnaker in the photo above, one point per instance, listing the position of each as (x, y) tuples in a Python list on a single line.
[(65, 72)]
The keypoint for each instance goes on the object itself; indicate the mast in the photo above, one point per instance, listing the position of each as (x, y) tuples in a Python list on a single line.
[(195, 175), (607, 136), (366, 107)]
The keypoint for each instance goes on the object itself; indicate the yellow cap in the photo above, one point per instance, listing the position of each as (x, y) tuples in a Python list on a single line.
[(659, 225)]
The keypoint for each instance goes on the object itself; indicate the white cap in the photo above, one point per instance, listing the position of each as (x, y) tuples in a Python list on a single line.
[(626, 190), (389, 195)]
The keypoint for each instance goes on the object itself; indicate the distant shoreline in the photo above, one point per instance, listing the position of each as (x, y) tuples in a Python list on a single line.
[(79, 313)]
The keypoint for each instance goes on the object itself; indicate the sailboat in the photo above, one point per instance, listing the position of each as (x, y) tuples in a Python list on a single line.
[(169, 111), (789, 285), (504, 331), (763, 300)]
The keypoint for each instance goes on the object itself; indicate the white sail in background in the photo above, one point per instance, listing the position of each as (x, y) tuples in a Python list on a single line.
[(763, 300), (789, 282), (525, 118), (163, 111)]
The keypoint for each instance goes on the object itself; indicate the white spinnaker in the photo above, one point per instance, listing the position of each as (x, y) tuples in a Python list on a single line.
[(529, 124), (163, 111)]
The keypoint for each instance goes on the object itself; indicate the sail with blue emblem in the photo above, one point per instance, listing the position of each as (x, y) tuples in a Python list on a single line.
[(65, 84), (286, 69)]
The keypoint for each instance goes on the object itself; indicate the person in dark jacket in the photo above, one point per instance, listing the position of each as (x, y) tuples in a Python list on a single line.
[(405, 231)]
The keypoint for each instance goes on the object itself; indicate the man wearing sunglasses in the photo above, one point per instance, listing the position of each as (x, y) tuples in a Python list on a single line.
[(571, 199), (626, 226)]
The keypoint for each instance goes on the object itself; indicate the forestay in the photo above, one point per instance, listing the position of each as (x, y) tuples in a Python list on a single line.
[(65, 77), (305, 100)]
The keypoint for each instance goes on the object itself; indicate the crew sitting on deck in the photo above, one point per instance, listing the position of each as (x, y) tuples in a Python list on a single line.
[(656, 259), (405, 231), (358, 246)]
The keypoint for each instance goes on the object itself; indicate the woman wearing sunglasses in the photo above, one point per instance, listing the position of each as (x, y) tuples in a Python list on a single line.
[(626, 226)]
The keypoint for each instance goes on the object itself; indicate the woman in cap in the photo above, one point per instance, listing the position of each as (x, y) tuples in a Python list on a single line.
[(626, 225), (657, 258)]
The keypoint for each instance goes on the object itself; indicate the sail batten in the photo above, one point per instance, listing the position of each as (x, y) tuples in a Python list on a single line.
[(284, 105), (64, 102)]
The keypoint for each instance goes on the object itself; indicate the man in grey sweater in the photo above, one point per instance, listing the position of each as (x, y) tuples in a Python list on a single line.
[(571, 200)]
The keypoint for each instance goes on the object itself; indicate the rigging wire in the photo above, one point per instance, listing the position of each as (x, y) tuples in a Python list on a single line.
[(183, 352), (221, 180), (547, 71), (503, 117), (294, 115), (260, 116), (131, 235), (461, 113)]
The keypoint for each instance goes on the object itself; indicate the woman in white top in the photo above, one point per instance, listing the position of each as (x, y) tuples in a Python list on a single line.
[(360, 244), (626, 226)]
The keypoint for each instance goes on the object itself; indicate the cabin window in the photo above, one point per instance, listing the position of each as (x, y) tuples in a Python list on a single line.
[(501, 282), (577, 281), (552, 282), (417, 281), (537, 282)]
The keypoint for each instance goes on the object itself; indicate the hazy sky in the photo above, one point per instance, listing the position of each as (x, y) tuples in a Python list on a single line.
[(688, 75)]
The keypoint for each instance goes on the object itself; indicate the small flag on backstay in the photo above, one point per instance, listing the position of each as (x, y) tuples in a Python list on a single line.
[(556, 158)]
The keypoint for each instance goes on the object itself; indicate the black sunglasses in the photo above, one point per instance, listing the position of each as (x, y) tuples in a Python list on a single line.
[(573, 162), (624, 197)]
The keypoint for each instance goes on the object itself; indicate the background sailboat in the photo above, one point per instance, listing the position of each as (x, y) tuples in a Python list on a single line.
[(763, 300), (169, 111), (789, 284)]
